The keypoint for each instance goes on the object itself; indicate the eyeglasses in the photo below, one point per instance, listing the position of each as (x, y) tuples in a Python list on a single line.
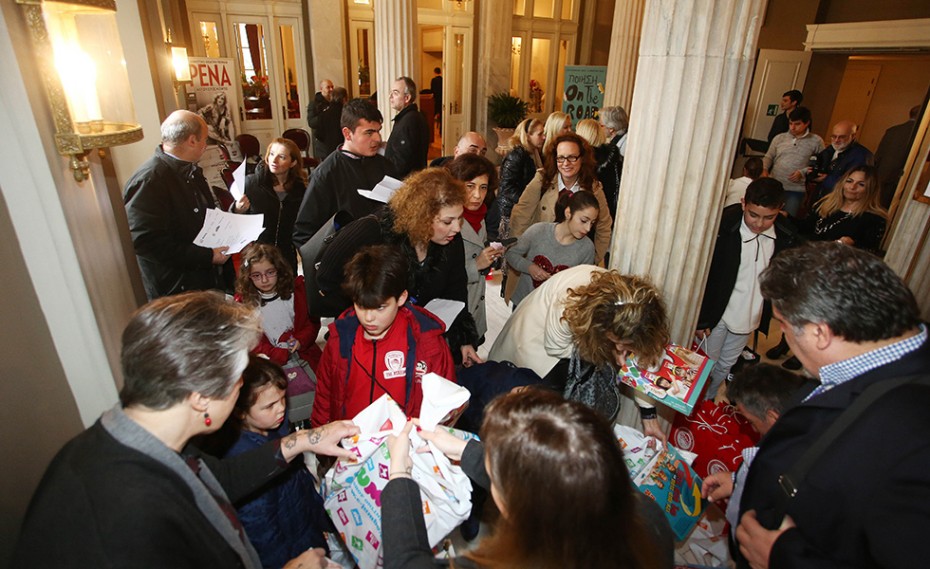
[(269, 274), (570, 159)]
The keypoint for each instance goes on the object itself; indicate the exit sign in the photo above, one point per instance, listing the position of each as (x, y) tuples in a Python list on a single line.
[(772, 111)]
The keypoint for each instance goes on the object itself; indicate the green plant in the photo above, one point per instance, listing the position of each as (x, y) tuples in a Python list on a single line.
[(506, 111)]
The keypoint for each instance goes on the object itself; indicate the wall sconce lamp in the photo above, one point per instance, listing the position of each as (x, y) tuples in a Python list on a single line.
[(80, 58), (182, 68)]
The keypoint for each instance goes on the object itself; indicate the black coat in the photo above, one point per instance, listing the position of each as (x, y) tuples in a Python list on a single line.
[(517, 170), (866, 501), (103, 504), (609, 170), (323, 117), (409, 142), (334, 187), (724, 266), (166, 202), (280, 215)]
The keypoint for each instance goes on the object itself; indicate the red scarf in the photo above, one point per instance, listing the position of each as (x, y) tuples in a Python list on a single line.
[(474, 218)]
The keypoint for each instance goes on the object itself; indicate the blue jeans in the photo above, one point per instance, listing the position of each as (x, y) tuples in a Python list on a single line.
[(793, 201)]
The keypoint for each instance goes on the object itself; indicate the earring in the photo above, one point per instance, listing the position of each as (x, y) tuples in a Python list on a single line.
[(206, 419)]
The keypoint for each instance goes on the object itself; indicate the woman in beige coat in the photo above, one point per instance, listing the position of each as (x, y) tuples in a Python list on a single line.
[(569, 167)]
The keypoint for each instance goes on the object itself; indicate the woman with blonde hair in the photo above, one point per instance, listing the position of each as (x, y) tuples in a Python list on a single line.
[(519, 167), (608, 159), (424, 219), (557, 475), (557, 124), (581, 325), (276, 189), (851, 213)]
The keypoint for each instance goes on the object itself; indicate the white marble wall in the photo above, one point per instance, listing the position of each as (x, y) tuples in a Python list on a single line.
[(395, 50), (494, 59), (624, 52), (327, 43), (692, 82)]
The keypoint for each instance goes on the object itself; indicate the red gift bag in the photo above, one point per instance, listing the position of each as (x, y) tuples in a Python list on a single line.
[(717, 434)]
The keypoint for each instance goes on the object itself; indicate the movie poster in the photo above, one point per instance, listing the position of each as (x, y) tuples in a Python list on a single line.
[(584, 91), (212, 95)]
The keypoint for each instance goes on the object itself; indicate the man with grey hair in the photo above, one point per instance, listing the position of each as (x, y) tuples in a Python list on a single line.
[(856, 328), (470, 143), (835, 160), (409, 142), (615, 123), (166, 202)]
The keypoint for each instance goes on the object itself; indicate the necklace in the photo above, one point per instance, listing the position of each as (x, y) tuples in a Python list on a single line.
[(825, 224)]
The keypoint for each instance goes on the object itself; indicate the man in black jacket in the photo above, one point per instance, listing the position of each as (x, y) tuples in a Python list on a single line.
[(750, 234), (323, 119), (166, 202), (790, 100), (865, 500), (409, 142)]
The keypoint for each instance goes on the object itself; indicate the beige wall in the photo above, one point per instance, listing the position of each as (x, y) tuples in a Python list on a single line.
[(39, 412), (902, 83), (785, 24)]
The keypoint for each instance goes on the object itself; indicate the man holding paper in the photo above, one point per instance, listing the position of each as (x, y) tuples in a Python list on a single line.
[(166, 202)]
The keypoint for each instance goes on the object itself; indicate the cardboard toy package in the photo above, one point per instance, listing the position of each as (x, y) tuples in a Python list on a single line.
[(677, 381), (352, 491)]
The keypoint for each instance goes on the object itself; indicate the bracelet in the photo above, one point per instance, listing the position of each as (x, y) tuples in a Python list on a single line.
[(404, 474), (648, 413)]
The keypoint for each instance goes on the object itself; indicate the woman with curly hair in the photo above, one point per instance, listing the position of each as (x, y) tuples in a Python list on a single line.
[(424, 219), (582, 513), (276, 189), (579, 327), (479, 228), (266, 282)]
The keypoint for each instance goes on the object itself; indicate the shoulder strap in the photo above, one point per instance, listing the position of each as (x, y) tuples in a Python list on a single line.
[(791, 480)]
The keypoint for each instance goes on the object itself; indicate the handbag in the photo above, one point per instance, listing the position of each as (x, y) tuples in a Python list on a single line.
[(595, 386)]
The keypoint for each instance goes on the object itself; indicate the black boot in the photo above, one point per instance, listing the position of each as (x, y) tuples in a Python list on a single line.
[(779, 350)]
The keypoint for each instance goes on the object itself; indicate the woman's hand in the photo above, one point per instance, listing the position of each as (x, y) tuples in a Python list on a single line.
[(487, 257), (470, 356), (242, 205), (321, 440), (536, 273), (399, 447), (447, 443), (651, 428)]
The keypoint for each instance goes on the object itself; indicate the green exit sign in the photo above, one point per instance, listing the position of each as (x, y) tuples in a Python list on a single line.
[(772, 111)]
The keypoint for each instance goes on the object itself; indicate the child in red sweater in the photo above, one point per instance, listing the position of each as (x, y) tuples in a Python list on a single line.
[(381, 345)]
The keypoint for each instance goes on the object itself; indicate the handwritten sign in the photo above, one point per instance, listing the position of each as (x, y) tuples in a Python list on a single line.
[(584, 91)]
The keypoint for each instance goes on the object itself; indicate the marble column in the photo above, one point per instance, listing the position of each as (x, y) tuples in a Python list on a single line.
[(494, 61), (692, 81), (396, 52), (624, 52), (329, 51)]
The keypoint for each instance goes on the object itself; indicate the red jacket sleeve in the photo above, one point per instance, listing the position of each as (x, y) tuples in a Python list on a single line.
[(326, 383), (277, 355)]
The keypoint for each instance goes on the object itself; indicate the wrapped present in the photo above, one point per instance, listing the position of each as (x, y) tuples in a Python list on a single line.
[(717, 434), (352, 490), (677, 381)]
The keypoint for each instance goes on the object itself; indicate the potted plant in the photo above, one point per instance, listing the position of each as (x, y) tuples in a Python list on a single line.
[(506, 111)]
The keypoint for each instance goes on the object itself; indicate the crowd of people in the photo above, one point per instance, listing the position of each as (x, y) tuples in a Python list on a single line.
[(153, 483)]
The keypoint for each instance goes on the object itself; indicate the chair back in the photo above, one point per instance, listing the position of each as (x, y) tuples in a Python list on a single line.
[(300, 137), (249, 145)]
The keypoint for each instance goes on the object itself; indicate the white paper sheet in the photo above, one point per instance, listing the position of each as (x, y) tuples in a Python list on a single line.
[(444, 309), (383, 191), (237, 189), (223, 229)]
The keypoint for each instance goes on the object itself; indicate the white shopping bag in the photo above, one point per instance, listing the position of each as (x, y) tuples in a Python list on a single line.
[(352, 491)]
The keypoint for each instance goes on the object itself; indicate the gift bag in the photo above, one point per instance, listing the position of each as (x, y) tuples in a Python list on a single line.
[(717, 434), (352, 491)]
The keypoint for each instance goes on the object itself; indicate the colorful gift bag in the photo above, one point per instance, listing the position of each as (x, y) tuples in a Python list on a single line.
[(677, 381), (352, 491), (717, 434)]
